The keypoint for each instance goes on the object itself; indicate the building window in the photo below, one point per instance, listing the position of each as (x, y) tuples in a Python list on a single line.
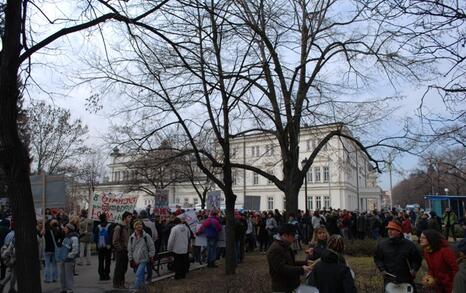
[(186, 201), (196, 200), (327, 202), (326, 174), (233, 179), (234, 152), (177, 200), (270, 203), (309, 175), (310, 203), (272, 149), (308, 145), (255, 178), (117, 176), (253, 149), (317, 174), (318, 202), (257, 151)]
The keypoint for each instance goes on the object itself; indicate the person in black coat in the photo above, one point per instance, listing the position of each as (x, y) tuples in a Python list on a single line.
[(284, 271), (331, 274)]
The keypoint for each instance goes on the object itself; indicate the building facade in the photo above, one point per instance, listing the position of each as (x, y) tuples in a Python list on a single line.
[(340, 177)]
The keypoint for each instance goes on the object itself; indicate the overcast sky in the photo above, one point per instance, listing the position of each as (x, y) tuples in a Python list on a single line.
[(55, 67)]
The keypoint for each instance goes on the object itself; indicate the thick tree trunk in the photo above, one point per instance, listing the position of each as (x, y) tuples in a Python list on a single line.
[(14, 159), (230, 259)]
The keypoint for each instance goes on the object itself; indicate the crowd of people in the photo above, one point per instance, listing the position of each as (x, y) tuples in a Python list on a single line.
[(65, 242)]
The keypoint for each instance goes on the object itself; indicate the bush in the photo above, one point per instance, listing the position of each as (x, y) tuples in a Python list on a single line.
[(360, 247)]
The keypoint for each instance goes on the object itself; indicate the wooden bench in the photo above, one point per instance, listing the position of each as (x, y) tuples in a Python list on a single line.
[(162, 258)]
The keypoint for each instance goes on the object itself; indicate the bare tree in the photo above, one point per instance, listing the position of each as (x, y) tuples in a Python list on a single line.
[(56, 140), (435, 30), (18, 47)]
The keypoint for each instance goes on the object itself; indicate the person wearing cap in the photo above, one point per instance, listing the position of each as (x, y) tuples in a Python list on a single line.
[(397, 258), (459, 282), (67, 254), (284, 271), (141, 251)]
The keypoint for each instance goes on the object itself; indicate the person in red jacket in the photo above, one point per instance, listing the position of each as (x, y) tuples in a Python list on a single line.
[(441, 260)]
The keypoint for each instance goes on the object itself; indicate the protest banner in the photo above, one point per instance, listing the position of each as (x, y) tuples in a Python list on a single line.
[(161, 203), (112, 205), (191, 219), (213, 199)]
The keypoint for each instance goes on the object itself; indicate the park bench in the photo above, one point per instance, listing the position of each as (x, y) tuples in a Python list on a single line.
[(163, 258)]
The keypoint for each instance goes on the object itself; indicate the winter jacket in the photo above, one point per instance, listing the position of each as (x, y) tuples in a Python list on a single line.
[(49, 244), (284, 270), (178, 241), (69, 249), (85, 230), (331, 274), (421, 225), (148, 223), (211, 227), (449, 219), (406, 227), (140, 249), (319, 250), (442, 266), (459, 282), (399, 257), (271, 225), (120, 237)]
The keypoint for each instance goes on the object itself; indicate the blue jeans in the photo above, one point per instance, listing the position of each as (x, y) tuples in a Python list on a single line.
[(51, 269), (211, 249), (140, 273)]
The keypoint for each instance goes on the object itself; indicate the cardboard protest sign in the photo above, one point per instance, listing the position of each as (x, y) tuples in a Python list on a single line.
[(112, 205), (161, 203), (191, 219), (200, 240), (213, 199)]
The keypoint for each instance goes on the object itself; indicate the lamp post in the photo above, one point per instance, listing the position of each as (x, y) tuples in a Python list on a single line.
[(303, 163)]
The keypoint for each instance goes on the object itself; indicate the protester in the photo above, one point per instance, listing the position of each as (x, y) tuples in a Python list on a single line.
[(331, 274), (406, 227), (398, 259), (8, 256), (421, 225), (66, 256), (103, 242), (141, 251), (459, 282), (4, 230), (178, 244), (271, 226), (318, 243), (120, 244), (449, 221), (53, 237), (284, 271), (262, 233), (441, 260), (211, 228), (149, 227), (85, 238)]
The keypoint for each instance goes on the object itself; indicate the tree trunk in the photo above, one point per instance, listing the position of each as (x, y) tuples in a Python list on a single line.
[(14, 159), (230, 259)]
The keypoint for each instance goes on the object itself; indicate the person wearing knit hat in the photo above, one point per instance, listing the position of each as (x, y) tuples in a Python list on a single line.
[(394, 226), (397, 258), (66, 256)]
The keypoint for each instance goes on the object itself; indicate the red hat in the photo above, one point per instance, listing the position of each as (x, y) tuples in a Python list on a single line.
[(394, 225)]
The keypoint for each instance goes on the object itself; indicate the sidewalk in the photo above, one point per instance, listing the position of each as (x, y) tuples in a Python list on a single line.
[(88, 279)]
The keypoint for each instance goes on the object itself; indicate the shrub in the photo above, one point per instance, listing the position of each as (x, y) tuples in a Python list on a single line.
[(360, 247)]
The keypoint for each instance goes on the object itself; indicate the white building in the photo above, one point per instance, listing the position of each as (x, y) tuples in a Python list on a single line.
[(340, 174)]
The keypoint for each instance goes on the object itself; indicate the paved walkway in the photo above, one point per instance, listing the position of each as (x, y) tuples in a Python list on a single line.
[(88, 279)]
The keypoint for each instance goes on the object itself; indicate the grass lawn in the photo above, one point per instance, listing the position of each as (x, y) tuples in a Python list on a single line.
[(253, 276)]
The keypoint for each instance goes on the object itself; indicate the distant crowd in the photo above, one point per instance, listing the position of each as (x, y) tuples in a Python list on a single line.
[(141, 238)]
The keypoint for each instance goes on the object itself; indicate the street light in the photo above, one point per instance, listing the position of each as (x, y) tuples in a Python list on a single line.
[(446, 191), (303, 163)]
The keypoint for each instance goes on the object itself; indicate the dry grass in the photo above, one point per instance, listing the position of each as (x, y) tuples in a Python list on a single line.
[(252, 276)]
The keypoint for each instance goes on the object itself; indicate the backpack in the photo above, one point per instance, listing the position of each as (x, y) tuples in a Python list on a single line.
[(8, 254), (103, 236)]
